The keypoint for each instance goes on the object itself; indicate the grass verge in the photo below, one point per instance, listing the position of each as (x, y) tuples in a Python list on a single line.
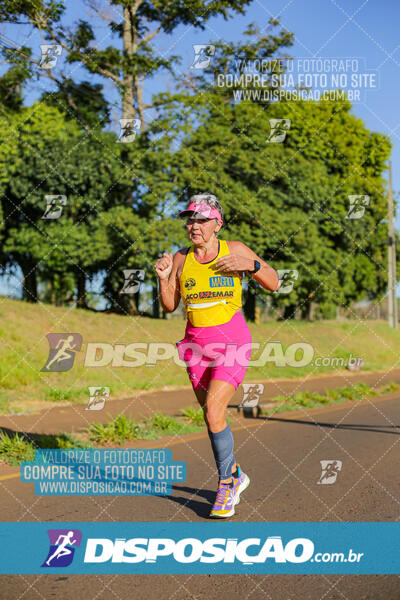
[(24, 387), (16, 448), (358, 391), (122, 428)]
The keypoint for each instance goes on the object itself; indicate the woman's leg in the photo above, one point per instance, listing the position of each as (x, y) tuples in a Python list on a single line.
[(217, 399), (214, 402), (201, 396)]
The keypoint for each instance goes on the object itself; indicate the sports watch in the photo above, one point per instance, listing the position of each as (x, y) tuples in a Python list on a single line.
[(257, 267)]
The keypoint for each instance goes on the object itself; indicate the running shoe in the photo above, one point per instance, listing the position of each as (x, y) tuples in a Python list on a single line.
[(224, 505), (240, 483)]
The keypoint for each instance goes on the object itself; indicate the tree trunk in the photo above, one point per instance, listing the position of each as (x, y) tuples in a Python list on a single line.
[(378, 310), (81, 289), (127, 304), (289, 312), (156, 301), (29, 282), (311, 309), (128, 111), (249, 307)]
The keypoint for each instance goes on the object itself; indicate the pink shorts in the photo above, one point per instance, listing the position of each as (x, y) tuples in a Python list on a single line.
[(216, 352)]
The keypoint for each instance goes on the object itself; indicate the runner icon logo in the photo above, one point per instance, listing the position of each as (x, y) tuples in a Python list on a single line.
[(251, 394), (62, 547), (133, 279), (330, 470), (97, 397), (62, 351), (202, 55)]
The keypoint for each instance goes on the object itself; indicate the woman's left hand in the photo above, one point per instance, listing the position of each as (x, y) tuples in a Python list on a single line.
[(234, 262)]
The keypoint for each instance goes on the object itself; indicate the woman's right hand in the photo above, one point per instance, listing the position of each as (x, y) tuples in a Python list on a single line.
[(163, 266)]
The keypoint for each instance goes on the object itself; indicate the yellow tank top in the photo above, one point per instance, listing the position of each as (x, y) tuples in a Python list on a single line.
[(209, 297)]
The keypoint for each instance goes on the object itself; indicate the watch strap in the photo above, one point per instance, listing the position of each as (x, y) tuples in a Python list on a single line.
[(257, 267)]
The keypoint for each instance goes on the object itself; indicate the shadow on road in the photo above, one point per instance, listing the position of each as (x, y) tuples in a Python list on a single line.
[(40, 440), (202, 509), (354, 426)]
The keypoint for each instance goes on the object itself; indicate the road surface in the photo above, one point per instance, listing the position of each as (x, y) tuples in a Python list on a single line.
[(282, 457)]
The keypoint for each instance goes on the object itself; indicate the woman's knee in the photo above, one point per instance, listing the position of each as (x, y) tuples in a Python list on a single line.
[(215, 417)]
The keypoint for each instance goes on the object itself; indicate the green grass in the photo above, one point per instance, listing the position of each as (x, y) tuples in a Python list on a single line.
[(390, 387), (122, 428), (195, 416), (16, 448), (23, 328), (62, 441), (66, 395), (119, 430), (166, 425), (335, 396), (5, 406)]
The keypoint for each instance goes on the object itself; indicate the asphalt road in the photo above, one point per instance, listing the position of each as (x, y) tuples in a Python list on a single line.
[(282, 457)]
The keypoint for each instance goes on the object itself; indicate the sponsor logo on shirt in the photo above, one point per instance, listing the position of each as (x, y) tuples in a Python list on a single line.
[(209, 294), (221, 281), (189, 283)]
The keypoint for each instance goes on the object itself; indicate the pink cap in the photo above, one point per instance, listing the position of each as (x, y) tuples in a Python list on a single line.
[(202, 209)]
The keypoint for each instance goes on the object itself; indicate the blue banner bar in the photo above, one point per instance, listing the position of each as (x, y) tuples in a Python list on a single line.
[(206, 547)]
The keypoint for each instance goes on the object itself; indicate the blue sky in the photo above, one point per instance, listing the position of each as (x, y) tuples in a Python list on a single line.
[(358, 29)]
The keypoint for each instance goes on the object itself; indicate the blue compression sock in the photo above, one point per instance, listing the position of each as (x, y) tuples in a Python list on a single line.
[(222, 446)]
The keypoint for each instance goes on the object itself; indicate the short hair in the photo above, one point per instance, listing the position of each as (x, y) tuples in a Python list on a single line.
[(210, 199)]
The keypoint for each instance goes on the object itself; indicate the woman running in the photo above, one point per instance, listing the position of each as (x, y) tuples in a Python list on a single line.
[(208, 278)]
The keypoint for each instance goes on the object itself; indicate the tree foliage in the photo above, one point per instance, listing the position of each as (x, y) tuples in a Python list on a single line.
[(287, 201)]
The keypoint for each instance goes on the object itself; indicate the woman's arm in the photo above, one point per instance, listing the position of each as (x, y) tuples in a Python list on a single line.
[(241, 258), (166, 268)]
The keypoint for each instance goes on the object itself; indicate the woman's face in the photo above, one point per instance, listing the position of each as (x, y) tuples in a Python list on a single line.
[(200, 230)]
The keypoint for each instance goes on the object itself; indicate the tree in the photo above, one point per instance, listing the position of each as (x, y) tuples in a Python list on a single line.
[(289, 201), (126, 65), (51, 156), (136, 22)]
